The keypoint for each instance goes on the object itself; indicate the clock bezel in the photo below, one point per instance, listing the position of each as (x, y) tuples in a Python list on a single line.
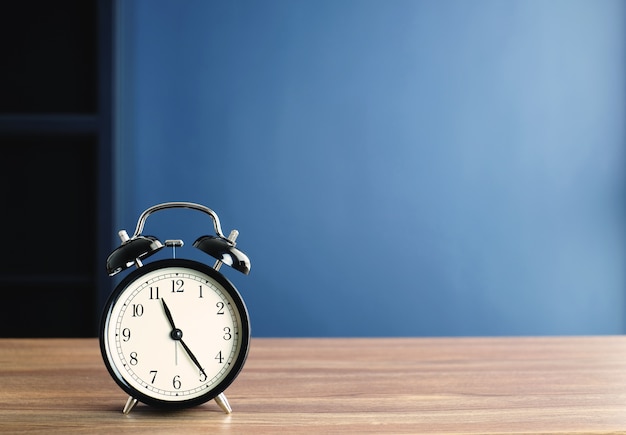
[(237, 364)]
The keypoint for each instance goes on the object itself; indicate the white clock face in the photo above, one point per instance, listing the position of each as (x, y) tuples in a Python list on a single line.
[(175, 334)]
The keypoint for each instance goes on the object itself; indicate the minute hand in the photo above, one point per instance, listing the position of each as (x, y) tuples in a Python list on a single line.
[(192, 356), (177, 335)]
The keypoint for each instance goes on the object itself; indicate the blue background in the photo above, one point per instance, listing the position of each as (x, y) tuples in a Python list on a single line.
[(395, 168)]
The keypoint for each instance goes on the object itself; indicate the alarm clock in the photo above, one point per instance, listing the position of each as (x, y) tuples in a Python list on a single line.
[(175, 332)]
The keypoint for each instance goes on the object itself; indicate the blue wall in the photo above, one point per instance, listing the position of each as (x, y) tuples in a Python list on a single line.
[(394, 167)]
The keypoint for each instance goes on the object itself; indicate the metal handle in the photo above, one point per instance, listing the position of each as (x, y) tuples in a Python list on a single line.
[(142, 219)]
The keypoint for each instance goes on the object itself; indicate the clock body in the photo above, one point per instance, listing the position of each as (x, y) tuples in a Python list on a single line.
[(174, 333)]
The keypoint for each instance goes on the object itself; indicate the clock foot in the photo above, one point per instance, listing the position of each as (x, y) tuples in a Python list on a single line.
[(223, 403), (130, 404)]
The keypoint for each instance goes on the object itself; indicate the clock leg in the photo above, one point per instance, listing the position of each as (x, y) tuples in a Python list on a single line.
[(130, 404), (223, 403)]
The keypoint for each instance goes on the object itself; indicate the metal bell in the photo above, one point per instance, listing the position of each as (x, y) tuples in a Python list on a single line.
[(224, 250), (131, 252)]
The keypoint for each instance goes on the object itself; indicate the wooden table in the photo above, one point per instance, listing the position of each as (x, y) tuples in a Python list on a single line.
[(396, 385)]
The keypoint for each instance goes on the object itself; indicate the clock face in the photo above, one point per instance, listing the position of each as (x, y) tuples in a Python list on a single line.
[(174, 333)]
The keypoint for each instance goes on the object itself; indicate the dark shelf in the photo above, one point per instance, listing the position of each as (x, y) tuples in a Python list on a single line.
[(49, 123), (38, 279), (49, 56), (55, 137)]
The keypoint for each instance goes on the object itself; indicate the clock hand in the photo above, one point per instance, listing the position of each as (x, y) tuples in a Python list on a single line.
[(168, 314), (177, 335), (175, 332), (192, 356)]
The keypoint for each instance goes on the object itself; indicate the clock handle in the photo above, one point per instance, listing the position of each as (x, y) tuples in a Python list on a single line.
[(138, 247), (144, 216)]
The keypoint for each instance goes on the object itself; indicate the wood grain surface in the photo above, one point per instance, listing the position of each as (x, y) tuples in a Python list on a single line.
[(359, 385)]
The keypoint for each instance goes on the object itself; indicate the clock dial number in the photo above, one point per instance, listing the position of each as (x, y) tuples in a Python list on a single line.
[(137, 310), (219, 357), (227, 334), (154, 293), (177, 286)]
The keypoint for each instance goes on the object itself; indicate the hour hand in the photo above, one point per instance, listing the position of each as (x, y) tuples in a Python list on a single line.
[(176, 333), (168, 314)]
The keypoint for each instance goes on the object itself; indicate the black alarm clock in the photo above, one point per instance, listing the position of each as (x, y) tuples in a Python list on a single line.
[(175, 333)]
